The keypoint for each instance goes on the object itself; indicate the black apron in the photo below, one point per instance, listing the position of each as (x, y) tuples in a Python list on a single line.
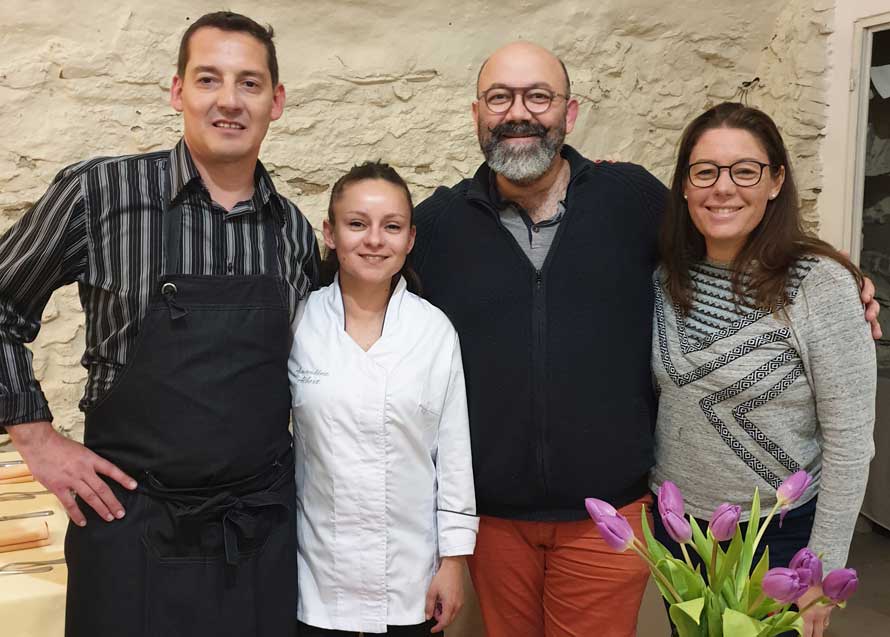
[(199, 418)]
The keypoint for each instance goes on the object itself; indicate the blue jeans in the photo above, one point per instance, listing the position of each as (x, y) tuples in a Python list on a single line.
[(783, 543)]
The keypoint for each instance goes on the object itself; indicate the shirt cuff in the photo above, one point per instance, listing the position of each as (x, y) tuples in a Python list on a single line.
[(457, 533), (16, 409)]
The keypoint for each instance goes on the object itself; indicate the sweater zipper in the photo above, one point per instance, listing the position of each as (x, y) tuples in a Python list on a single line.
[(539, 331), (539, 315)]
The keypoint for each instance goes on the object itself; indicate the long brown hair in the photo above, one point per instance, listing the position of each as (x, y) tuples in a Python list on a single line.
[(762, 267), (361, 172)]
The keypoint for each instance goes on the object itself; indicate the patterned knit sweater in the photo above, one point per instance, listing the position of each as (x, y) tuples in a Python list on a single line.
[(748, 397)]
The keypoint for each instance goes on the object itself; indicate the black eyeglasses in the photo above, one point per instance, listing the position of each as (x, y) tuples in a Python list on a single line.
[(537, 100), (745, 173)]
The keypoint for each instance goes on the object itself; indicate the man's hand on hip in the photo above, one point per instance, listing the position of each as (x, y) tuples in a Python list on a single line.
[(67, 468)]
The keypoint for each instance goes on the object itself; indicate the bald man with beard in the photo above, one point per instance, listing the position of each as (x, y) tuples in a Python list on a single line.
[(543, 262)]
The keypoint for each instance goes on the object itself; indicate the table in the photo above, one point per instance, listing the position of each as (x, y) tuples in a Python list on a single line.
[(33, 604)]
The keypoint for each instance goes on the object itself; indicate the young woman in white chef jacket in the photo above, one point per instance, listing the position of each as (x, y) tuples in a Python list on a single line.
[(385, 503)]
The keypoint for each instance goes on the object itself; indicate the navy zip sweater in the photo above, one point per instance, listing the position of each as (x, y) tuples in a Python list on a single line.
[(556, 360)]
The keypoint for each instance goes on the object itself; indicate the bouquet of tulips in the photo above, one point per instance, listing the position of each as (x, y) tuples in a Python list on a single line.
[(733, 600)]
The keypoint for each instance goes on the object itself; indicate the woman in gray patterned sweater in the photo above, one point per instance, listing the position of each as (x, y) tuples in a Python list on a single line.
[(760, 354)]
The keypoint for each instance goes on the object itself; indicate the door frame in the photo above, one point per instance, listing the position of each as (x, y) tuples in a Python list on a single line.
[(839, 205)]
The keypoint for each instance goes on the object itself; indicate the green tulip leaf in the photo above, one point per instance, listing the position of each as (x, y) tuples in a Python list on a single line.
[(736, 624), (692, 608), (729, 595), (761, 568), (753, 588), (656, 548), (664, 569), (714, 607), (686, 616), (767, 608), (687, 583), (729, 560), (782, 624), (700, 543), (747, 555), (685, 626)]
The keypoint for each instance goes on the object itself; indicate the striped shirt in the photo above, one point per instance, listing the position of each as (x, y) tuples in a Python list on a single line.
[(100, 224)]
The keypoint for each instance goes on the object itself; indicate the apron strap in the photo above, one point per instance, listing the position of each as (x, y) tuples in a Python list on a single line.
[(240, 507), (270, 244), (171, 243), (240, 516)]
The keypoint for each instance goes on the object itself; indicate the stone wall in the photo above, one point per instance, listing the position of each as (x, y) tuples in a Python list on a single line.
[(388, 79), (792, 71)]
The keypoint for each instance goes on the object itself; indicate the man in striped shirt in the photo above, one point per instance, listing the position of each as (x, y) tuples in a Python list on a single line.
[(190, 266)]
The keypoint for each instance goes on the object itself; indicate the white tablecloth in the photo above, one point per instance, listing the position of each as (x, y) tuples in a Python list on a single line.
[(33, 605)]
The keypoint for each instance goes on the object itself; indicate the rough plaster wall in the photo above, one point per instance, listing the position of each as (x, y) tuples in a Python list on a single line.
[(391, 80), (792, 72)]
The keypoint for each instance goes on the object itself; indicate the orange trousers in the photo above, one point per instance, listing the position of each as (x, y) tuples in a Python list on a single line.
[(557, 579)]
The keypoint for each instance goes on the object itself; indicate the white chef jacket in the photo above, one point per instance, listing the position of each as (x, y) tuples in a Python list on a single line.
[(383, 464)]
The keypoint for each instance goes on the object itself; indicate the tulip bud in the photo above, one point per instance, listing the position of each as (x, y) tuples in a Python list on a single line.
[(598, 509), (725, 521), (790, 491), (840, 584), (616, 532), (677, 527), (613, 527), (670, 499), (672, 511), (793, 487), (806, 560), (783, 584)]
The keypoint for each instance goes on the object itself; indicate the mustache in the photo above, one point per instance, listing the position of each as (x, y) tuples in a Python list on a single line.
[(517, 129)]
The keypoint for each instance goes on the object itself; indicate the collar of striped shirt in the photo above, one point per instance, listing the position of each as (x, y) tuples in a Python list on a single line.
[(184, 175)]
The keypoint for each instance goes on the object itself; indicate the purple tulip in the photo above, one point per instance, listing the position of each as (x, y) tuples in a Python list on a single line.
[(840, 584), (670, 499), (807, 561), (677, 527), (616, 531), (725, 521), (613, 527), (672, 511), (790, 491), (599, 508), (793, 487), (783, 584)]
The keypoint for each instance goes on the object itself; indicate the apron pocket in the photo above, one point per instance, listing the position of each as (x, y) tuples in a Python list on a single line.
[(193, 589)]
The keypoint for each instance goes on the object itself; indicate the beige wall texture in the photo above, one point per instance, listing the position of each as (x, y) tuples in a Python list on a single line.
[(391, 80)]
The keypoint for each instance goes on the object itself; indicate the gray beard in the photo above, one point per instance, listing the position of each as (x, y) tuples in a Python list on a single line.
[(523, 165)]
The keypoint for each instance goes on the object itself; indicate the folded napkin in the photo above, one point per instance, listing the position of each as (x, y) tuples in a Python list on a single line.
[(16, 535), (15, 473)]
